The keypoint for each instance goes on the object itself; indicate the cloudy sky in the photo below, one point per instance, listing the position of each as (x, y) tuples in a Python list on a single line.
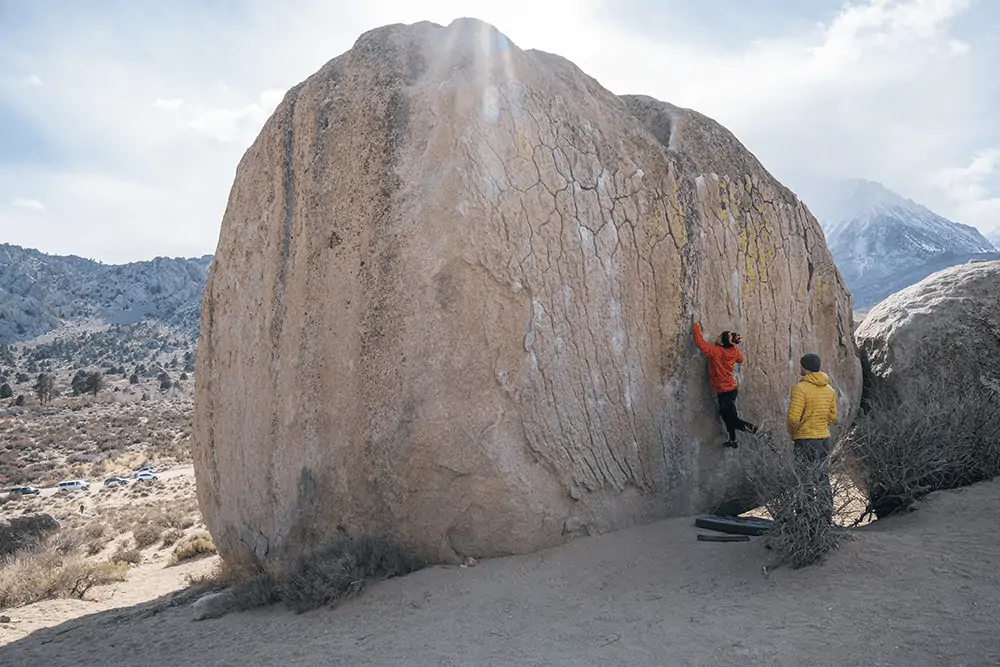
[(121, 127)]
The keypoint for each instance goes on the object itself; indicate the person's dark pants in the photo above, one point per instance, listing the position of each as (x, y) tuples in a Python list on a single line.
[(812, 458), (731, 416)]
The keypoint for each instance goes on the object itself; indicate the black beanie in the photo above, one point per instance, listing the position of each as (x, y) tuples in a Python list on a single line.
[(725, 339), (811, 362)]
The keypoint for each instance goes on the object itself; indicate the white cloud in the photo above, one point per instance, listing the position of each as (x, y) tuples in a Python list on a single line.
[(882, 90), (172, 104), (33, 80), (968, 187), (114, 219), (983, 164), (958, 47), (29, 204), (230, 125)]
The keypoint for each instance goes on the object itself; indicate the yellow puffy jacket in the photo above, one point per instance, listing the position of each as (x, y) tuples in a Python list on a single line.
[(813, 407)]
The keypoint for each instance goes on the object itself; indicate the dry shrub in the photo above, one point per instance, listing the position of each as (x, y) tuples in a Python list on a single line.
[(171, 536), (256, 591), (806, 499), (193, 545), (327, 575), (95, 547), (322, 576), (31, 577), (96, 530), (150, 524), (146, 535), (126, 553), (903, 450), (66, 542), (125, 519), (96, 535), (176, 517), (223, 575)]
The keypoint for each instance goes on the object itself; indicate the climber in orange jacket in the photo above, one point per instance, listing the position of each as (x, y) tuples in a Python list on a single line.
[(722, 359)]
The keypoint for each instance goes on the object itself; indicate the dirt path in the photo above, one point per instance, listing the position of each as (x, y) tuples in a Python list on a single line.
[(919, 590), (186, 470)]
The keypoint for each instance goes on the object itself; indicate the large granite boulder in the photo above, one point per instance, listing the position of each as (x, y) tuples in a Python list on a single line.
[(938, 337), (452, 305), (26, 531)]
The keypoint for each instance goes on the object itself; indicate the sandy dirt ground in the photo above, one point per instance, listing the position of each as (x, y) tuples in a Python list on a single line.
[(913, 591), (146, 582)]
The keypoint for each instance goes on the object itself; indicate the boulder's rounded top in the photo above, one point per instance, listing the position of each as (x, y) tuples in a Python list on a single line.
[(429, 31), (711, 147), (962, 282), (940, 333)]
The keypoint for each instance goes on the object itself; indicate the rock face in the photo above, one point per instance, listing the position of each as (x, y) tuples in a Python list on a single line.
[(452, 304), (24, 532), (941, 334)]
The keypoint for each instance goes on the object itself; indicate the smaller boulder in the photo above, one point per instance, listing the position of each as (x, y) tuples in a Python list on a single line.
[(25, 532), (208, 606), (942, 334)]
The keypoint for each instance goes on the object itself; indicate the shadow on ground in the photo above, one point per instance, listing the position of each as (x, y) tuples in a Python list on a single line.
[(919, 590)]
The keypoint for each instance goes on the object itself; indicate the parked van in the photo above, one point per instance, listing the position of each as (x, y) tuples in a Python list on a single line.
[(73, 485)]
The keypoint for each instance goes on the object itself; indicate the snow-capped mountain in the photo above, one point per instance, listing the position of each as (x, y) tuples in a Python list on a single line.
[(40, 293), (994, 238), (883, 242)]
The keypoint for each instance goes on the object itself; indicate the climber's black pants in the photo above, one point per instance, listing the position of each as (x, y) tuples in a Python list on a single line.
[(731, 416)]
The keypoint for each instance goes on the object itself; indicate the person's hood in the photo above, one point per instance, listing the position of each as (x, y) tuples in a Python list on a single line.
[(819, 378)]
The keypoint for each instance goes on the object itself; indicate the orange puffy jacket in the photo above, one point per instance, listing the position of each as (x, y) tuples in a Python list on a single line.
[(721, 362)]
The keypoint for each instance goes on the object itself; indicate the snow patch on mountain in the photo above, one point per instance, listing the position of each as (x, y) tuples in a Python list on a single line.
[(994, 238), (883, 242)]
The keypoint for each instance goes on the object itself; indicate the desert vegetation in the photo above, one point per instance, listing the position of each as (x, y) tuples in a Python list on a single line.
[(899, 451), (91, 402), (192, 546), (86, 437), (895, 454), (48, 573), (811, 504), (323, 576), (98, 538)]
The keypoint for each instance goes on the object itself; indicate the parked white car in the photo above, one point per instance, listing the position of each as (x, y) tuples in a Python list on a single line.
[(144, 476), (72, 485)]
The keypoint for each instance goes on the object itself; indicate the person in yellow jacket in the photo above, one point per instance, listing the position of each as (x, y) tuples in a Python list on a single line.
[(811, 410)]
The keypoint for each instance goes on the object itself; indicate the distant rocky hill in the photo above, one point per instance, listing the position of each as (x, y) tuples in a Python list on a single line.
[(40, 293), (883, 243)]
